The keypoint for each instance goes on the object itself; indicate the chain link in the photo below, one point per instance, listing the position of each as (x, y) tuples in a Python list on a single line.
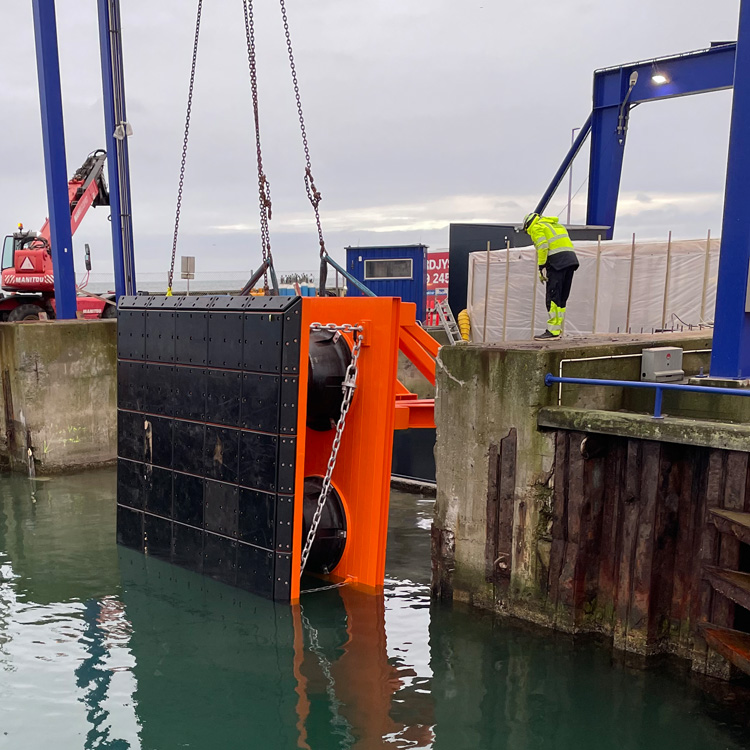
[(339, 722), (313, 193), (348, 387), (264, 186), (170, 278)]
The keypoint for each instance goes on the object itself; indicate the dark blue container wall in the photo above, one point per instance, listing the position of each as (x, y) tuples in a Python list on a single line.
[(409, 290)]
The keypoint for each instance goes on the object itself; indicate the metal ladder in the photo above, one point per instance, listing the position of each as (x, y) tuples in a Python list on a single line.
[(448, 321)]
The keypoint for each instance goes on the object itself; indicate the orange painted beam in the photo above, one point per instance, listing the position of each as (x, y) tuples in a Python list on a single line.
[(415, 414)]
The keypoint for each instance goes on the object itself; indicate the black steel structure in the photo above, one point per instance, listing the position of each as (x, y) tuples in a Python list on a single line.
[(208, 391)]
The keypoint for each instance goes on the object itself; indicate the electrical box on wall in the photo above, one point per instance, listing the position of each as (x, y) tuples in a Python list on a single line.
[(227, 408), (662, 364)]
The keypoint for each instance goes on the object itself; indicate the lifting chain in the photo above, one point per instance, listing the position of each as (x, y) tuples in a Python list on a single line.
[(313, 193), (264, 186), (185, 147), (348, 387)]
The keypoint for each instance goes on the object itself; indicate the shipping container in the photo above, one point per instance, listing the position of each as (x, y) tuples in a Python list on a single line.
[(392, 271)]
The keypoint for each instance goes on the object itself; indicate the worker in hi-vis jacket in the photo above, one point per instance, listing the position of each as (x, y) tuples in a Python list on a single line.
[(557, 263)]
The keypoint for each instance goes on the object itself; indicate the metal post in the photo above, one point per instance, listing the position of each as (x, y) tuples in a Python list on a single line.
[(507, 278), (55, 165), (535, 277), (117, 131), (657, 403), (486, 294), (666, 282), (570, 174), (731, 345), (706, 270), (596, 283), (630, 285)]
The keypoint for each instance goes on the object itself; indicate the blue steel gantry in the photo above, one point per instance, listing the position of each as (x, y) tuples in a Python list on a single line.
[(616, 91), (53, 137)]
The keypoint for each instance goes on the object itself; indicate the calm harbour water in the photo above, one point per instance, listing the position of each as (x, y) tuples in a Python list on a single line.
[(103, 648)]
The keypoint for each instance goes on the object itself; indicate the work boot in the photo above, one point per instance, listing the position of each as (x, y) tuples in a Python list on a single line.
[(546, 336)]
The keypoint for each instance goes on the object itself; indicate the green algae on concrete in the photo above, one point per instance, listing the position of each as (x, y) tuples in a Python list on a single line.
[(59, 394), (482, 393)]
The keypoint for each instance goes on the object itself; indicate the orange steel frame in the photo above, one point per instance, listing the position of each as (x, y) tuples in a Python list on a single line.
[(381, 404)]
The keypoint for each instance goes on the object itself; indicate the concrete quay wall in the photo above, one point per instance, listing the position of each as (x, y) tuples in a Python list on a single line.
[(580, 516), (59, 395)]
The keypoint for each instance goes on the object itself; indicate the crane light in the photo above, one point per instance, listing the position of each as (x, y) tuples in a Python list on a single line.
[(659, 78)]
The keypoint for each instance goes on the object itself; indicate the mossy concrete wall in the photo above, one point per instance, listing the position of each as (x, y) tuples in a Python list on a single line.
[(59, 394), (485, 392)]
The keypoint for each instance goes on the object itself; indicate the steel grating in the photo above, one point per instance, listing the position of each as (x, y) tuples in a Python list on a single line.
[(207, 419)]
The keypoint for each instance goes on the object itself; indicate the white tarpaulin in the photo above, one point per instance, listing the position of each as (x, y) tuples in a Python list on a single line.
[(690, 289)]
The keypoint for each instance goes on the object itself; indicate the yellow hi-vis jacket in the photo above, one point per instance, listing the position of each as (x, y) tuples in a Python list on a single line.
[(552, 243)]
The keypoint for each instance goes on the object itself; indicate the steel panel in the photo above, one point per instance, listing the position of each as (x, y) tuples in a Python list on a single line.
[(157, 491), (130, 434), (131, 334), (256, 518), (130, 527), (258, 453), (260, 402), (189, 393), (262, 339), (284, 523), (156, 388), (129, 391), (255, 570), (225, 336), (191, 337), (129, 480), (158, 441), (286, 464), (288, 405), (220, 511), (220, 558), (221, 453), (223, 393), (188, 499), (157, 534), (187, 547), (187, 445), (282, 577), (160, 332)]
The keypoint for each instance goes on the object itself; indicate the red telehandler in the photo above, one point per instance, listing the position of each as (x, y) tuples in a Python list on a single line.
[(27, 259)]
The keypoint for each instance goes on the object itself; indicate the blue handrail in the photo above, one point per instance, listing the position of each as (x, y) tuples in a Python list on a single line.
[(659, 388)]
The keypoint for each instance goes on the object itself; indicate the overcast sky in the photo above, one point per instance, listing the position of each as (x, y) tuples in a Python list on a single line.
[(419, 113)]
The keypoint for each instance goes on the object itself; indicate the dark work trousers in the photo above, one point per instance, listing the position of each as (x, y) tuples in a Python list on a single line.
[(558, 285)]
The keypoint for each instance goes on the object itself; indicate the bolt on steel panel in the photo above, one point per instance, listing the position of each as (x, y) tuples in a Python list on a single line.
[(260, 402), (189, 393), (255, 570), (206, 435), (256, 518), (220, 509), (191, 337), (130, 527), (157, 389), (160, 335), (129, 478), (187, 547), (225, 339), (157, 491), (188, 499), (157, 537), (221, 453), (223, 394), (220, 558)]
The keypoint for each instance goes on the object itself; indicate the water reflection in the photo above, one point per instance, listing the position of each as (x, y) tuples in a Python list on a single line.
[(102, 647)]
